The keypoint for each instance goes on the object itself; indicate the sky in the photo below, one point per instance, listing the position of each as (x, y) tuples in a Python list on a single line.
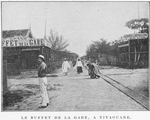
[(79, 23)]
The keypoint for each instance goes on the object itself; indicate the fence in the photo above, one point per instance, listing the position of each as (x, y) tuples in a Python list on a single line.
[(137, 60)]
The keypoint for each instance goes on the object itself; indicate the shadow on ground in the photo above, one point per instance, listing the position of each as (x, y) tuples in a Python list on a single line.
[(12, 97), (21, 92)]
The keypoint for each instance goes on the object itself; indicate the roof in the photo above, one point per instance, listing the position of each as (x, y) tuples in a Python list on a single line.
[(12, 33), (135, 36)]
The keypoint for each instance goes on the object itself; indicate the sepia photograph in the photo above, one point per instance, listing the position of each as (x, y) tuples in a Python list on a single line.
[(62, 56)]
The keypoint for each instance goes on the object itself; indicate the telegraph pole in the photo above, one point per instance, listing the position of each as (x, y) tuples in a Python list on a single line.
[(45, 29), (138, 14), (138, 11), (45, 22)]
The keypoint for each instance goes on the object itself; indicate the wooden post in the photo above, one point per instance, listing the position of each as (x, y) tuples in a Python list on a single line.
[(19, 60), (41, 50), (4, 76), (129, 54)]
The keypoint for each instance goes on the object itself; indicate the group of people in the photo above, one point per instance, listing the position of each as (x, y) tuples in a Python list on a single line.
[(92, 68), (66, 66)]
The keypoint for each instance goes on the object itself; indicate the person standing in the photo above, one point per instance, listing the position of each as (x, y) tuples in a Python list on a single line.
[(96, 62), (96, 70), (65, 67), (87, 66), (43, 83), (79, 66)]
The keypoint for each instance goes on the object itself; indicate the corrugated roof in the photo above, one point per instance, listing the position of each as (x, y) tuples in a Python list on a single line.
[(12, 33)]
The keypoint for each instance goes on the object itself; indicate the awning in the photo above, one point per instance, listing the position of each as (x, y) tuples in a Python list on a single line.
[(135, 36)]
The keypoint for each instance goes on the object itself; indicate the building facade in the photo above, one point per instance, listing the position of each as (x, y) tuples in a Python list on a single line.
[(21, 50), (134, 52)]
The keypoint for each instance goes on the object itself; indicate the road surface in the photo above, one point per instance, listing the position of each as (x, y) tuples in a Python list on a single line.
[(76, 93)]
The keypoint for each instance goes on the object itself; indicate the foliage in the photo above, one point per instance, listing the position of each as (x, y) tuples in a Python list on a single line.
[(141, 24), (58, 43), (102, 46), (57, 59), (111, 48)]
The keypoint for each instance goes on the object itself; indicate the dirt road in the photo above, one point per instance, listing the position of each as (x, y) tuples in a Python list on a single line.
[(74, 93)]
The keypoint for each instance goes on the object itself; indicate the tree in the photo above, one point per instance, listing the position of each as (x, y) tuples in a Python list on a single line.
[(142, 25), (100, 46), (58, 43), (91, 51)]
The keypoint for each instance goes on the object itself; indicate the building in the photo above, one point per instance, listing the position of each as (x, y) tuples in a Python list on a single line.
[(134, 52), (21, 50)]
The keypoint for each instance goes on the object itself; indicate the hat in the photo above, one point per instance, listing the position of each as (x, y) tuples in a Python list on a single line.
[(41, 56)]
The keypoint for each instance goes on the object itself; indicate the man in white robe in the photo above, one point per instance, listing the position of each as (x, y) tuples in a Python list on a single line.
[(65, 67)]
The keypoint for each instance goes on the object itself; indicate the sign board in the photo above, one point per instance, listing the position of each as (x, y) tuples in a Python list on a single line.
[(125, 45), (24, 41), (135, 36), (29, 49)]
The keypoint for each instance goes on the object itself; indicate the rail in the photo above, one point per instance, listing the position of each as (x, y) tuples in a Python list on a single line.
[(134, 95)]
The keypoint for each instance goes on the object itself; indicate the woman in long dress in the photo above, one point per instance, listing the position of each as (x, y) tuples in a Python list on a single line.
[(65, 67), (79, 66)]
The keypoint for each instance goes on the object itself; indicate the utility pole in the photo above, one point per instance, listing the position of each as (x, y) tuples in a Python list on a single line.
[(45, 22), (138, 11), (138, 15), (45, 29)]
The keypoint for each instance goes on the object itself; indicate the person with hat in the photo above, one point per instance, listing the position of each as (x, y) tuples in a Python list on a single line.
[(43, 83), (65, 67)]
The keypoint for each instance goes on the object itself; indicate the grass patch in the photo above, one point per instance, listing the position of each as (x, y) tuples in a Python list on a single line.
[(31, 86), (12, 97)]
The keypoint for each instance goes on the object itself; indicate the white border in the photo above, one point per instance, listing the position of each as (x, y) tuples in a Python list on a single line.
[(134, 115)]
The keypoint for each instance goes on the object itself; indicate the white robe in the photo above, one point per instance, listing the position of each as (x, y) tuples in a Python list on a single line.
[(65, 66), (78, 64)]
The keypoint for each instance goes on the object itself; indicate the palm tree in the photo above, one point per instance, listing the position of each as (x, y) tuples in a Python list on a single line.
[(57, 42)]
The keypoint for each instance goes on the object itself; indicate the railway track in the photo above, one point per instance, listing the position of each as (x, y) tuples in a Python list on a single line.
[(136, 96)]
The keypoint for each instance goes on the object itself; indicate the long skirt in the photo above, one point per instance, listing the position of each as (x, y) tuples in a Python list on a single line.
[(43, 90), (79, 69)]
